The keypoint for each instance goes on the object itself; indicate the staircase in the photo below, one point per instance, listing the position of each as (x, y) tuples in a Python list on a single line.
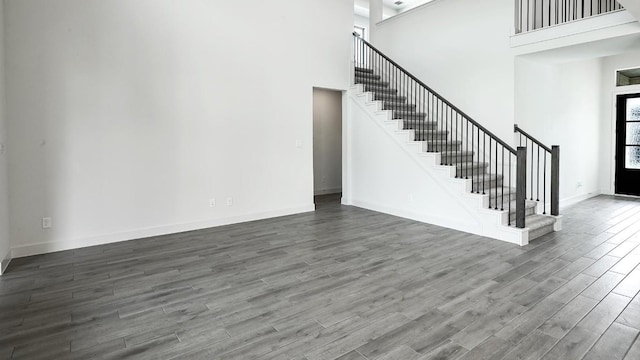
[(461, 147)]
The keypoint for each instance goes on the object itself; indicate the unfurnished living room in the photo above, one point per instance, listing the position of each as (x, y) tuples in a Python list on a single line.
[(320, 179)]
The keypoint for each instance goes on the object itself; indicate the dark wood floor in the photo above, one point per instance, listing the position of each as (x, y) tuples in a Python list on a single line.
[(340, 283)]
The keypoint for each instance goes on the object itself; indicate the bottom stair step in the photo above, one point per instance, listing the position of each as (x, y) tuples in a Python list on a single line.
[(539, 225)]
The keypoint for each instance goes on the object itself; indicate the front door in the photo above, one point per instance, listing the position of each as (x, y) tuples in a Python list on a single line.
[(628, 145)]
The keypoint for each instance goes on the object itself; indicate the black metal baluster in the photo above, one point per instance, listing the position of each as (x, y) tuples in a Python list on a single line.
[(538, 177), (355, 52), (509, 193), (442, 122), (458, 144), (420, 107), (454, 136), (531, 170), (490, 168), (535, 15), (502, 187), (484, 159), (528, 9), (544, 181), (497, 174), (432, 107), (478, 153), (453, 143), (466, 139), (429, 111), (470, 157), (370, 64)]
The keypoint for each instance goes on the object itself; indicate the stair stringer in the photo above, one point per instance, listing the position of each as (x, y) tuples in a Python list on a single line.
[(479, 219)]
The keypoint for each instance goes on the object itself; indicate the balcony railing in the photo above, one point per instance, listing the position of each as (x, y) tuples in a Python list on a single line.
[(538, 14)]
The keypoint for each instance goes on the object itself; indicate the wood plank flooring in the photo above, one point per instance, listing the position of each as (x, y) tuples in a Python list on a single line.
[(341, 283)]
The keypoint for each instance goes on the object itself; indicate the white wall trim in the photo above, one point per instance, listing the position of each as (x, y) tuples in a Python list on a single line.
[(328, 191), (47, 247), (4, 262), (628, 196), (571, 200), (431, 220)]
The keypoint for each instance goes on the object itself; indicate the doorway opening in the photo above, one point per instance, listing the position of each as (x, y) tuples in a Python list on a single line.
[(327, 146), (627, 181)]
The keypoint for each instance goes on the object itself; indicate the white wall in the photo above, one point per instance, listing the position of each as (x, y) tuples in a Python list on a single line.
[(126, 117), (461, 49), (327, 141), (608, 124), (4, 192), (559, 104), (384, 177)]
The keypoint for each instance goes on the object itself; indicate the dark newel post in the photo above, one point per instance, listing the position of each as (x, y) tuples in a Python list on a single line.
[(555, 180), (521, 185)]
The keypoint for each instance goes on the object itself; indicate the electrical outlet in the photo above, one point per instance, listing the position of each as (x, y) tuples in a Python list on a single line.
[(212, 202), (3, 148), (298, 143), (46, 223), (229, 201)]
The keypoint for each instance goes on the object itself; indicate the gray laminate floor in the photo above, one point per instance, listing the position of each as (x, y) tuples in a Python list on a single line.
[(340, 283)]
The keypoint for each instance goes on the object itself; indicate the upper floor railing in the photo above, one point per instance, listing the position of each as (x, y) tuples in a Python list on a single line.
[(537, 14)]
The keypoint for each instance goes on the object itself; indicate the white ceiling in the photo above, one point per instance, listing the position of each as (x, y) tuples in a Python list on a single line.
[(406, 4), (361, 7)]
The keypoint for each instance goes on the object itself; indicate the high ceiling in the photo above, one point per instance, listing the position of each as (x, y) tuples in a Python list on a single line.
[(361, 7), (406, 4)]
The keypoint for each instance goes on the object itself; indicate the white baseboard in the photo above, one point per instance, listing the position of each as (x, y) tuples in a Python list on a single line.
[(571, 200), (607, 192), (628, 196), (407, 214), (4, 261), (327, 191), (47, 247)]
